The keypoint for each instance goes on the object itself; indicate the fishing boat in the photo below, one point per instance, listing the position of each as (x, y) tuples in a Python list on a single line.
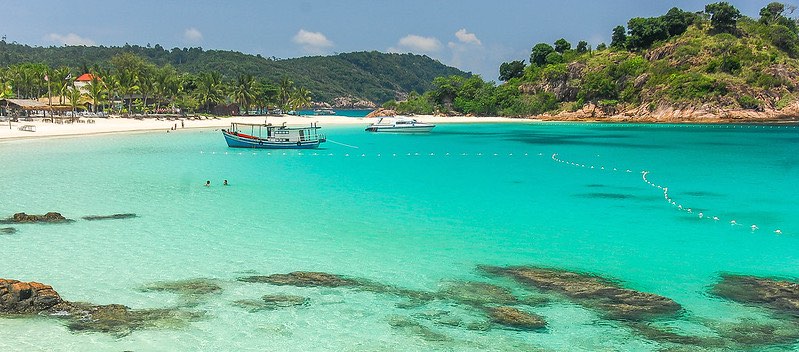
[(268, 136), (399, 124)]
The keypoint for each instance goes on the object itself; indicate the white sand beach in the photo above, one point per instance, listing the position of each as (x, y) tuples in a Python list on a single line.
[(117, 125)]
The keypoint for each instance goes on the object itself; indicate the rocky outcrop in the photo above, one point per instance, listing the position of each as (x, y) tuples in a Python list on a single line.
[(781, 296), (381, 112), (478, 293), (17, 297), (109, 217), (33, 298), (593, 291), (563, 85), (7, 230), (515, 318), (22, 218), (350, 102)]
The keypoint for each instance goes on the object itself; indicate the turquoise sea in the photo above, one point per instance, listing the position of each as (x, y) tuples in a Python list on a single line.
[(417, 212)]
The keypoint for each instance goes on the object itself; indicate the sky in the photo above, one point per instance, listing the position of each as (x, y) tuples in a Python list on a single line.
[(474, 36)]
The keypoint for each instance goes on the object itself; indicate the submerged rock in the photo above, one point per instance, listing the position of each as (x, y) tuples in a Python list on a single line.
[(414, 327), (109, 217), (191, 287), (272, 302), (7, 230), (303, 279), (33, 298), (21, 218), (478, 293), (515, 318), (17, 297), (120, 320), (593, 291), (781, 296)]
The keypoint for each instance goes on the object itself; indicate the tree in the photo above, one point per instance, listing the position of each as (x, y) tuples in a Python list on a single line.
[(300, 98), (771, 13), (96, 91), (509, 70), (540, 52), (645, 31), (284, 92), (245, 91), (555, 58), (561, 45), (601, 46), (74, 96), (619, 38), (677, 21), (723, 17), (210, 90), (582, 47)]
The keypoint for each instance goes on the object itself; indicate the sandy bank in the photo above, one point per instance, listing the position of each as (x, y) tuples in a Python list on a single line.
[(117, 125)]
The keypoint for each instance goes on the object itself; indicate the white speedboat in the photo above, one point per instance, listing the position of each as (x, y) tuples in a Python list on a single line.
[(399, 124)]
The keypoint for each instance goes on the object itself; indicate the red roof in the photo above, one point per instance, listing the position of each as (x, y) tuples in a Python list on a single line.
[(86, 77)]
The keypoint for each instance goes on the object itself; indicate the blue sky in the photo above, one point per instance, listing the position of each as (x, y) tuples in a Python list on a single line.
[(474, 36)]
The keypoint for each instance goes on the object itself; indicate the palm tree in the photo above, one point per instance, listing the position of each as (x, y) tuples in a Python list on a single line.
[(127, 85), (97, 91), (147, 82), (74, 96), (284, 93), (61, 82), (210, 90), (245, 91), (300, 98)]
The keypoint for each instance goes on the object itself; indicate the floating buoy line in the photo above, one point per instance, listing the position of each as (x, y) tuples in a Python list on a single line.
[(665, 191), (555, 157)]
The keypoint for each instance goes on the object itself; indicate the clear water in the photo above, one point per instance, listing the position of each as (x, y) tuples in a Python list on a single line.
[(415, 211)]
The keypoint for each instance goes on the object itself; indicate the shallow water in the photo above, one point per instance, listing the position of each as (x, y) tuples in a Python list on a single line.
[(413, 211)]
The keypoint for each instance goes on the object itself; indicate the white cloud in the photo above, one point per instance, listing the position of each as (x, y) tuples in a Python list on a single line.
[(312, 42), (417, 43), (70, 39), (466, 37), (192, 35)]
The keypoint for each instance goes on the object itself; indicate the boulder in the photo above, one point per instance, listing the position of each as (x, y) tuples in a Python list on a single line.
[(17, 297), (192, 287), (594, 292), (21, 218), (381, 112), (515, 318), (109, 217)]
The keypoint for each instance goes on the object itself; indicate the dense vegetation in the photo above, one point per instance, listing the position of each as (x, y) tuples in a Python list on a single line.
[(370, 76), (716, 59)]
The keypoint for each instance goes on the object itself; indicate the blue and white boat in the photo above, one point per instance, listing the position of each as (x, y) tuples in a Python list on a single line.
[(267, 136), (399, 124)]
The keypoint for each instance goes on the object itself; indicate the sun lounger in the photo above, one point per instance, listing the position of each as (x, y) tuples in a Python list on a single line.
[(28, 128)]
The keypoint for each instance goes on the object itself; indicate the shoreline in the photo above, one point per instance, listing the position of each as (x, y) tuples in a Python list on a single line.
[(102, 126), (114, 125)]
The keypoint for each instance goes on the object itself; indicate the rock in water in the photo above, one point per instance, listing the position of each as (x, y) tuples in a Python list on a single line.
[(192, 287), (17, 297), (515, 318), (21, 218), (109, 217), (593, 291), (781, 296), (32, 298), (7, 230), (478, 293), (303, 279)]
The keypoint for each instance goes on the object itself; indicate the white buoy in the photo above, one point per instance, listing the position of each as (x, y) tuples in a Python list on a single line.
[(778, 231), (715, 218), (753, 227), (733, 222)]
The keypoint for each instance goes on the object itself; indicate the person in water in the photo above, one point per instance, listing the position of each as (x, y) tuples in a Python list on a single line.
[(225, 183), (207, 183)]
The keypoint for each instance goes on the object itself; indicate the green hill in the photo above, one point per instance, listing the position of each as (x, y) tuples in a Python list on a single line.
[(372, 76), (682, 65)]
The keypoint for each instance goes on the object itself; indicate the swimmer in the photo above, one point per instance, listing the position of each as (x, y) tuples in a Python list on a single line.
[(225, 183), (207, 183)]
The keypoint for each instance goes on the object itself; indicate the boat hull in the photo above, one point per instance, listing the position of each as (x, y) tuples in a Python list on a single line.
[(234, 141), (405, 129)]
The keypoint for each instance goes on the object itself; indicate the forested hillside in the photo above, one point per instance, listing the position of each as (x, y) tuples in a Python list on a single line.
[(682, 65), (371, 76)]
